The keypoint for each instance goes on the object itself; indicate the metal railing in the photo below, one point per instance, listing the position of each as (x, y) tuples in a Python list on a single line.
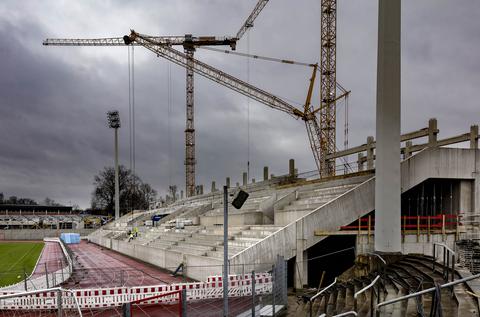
[(372, 294), (447, 255), (314, 297), (348, 313), (425, 291)]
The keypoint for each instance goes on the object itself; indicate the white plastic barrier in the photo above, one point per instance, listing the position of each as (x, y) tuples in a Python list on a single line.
[(239, 285)]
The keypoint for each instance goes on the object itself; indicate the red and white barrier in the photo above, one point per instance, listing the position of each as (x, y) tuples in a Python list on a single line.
[(239, 285)]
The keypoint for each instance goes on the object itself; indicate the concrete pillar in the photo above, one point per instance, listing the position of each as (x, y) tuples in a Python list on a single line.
[(474, 137), (432, 132), (245, 180), (408, 150), (181, 194), (387, 183), (291, 168), (253, 180), (227, 182), (360, 162), (201, 189), (265, 173), (465, 199), (301, 263), (213, 187), (238, 184), (370, 152)]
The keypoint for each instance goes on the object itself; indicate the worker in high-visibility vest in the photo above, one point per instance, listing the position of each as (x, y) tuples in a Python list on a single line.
[(135, 231)]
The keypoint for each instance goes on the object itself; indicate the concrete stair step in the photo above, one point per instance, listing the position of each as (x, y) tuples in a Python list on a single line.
[(196, 246), (187, 250)]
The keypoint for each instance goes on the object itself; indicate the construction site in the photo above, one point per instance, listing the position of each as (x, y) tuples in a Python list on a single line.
[(388, 227)]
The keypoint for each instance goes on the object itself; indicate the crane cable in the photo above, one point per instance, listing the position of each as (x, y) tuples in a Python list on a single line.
[(169, 115), (270, 59), (131, 120), (248, 108)]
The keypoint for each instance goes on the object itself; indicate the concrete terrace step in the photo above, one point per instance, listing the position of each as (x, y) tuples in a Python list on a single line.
[(196, 246), (187, 250)]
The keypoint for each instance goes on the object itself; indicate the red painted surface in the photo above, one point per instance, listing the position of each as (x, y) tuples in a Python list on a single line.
[(52, 259), (99, 267)]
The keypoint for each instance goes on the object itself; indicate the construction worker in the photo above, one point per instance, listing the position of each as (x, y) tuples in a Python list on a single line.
[(135, 231), (130, 237)]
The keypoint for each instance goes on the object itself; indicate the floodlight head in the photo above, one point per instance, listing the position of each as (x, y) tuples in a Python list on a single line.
[(113, 119), (239, 199)]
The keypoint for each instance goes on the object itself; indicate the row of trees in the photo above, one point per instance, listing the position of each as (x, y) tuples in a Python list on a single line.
[(134, 193), (14, 200)]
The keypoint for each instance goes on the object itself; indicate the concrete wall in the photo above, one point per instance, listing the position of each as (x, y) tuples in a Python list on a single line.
[(234, 219), (410, 245), (345, 209), (39, 234), (429, 163), (197, 267)]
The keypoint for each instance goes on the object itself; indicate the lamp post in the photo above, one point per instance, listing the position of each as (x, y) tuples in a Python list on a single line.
[(114, 123)]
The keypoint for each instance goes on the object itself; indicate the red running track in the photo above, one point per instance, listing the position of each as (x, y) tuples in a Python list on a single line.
[(95, 266), (52, 259)]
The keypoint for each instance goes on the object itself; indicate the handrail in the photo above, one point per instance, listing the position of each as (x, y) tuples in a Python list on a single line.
[(318, 294), (428, 290), (355, 303), (323, 290), (378, 255), (348, 313), (366, 287), (447, 254), (444, 246)]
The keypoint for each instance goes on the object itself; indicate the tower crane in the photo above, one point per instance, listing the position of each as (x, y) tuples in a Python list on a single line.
[(189, 44), (249, 22), (307, 114), (328, 83)]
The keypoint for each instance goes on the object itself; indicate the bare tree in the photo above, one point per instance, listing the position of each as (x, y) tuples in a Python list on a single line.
[(134, 193)]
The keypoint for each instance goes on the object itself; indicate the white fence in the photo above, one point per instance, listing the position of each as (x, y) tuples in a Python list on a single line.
[(239, 285)]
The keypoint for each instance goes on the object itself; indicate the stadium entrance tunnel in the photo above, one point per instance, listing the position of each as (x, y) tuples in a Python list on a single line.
[(333, 255)]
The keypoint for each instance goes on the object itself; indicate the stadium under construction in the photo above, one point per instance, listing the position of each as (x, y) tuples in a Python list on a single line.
[(395, 234)]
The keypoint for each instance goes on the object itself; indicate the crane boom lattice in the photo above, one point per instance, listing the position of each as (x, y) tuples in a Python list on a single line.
[(249, 22), (216, 75), (328, 86)]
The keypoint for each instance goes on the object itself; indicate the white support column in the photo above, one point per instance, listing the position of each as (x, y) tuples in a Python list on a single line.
[(387, 184), (301, 264)]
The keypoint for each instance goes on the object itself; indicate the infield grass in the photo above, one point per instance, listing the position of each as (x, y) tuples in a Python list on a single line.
[(17, 258)]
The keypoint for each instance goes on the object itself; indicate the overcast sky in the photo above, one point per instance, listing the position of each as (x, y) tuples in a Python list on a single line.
[(53, 100)]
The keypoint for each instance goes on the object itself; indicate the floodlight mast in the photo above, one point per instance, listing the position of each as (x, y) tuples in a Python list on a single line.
[(114, 123)]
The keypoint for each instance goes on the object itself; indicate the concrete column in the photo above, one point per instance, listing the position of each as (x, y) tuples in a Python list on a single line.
[(291, 168), (301, 263), (238, 184), (408, 150), (245, 180), (432, 132), (253, 180), (474, 137), (227, 182), (213, 187), (360, 162), (265, 173), (387, 184), (201, 189), (465, 199), (181, 194), (370, 152)]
